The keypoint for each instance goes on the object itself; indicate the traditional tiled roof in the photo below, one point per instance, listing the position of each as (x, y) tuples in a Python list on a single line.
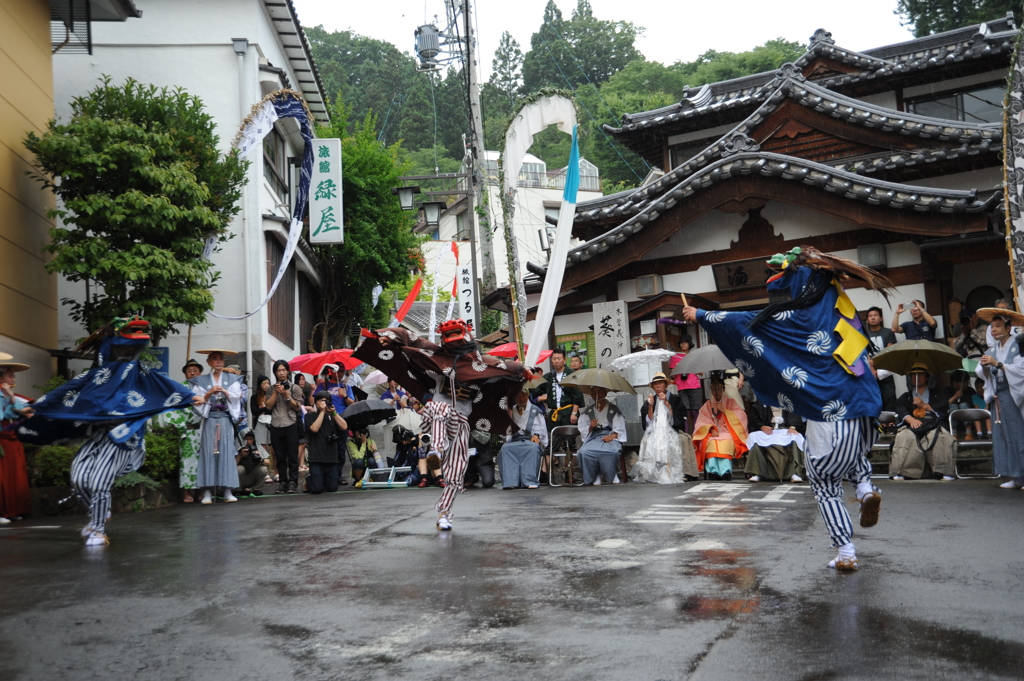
[(956, 139), (881, 64)]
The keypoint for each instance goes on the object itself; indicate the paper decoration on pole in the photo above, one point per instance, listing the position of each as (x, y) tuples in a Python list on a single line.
[(326, 207), (559, 253), (531, 120), (257, 125), (1013, 170), (433, 297)]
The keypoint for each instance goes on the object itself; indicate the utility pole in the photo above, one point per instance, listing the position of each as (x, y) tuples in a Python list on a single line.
[(477, 177)]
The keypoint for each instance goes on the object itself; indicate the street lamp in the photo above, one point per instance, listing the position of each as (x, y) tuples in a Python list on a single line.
[(406, 196), (432, 212)]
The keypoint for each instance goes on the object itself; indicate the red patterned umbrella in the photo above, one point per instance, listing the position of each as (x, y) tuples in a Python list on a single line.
[(314, 363)]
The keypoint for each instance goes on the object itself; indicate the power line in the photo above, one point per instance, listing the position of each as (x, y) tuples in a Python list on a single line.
[(583, 104)]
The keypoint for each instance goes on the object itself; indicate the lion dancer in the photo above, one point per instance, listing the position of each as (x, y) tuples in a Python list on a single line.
[(110, 404), (466, 391), (805, 353)]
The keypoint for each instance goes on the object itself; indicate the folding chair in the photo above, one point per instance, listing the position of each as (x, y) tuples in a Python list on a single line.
[(968, 415), (561, 432)]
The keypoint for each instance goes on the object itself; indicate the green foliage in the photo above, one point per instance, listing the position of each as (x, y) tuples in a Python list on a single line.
[(582, 49), (142, 185), (379, 244), (163, 453), (491, 321), (421, 161), (935, 16), (50, 465), (135, 478), (52, 384), (714, 66)]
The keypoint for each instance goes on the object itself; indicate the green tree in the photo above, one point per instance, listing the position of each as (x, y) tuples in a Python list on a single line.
[(379, 247), (142, 186), (507, 68), (583, 49), (935, 16)]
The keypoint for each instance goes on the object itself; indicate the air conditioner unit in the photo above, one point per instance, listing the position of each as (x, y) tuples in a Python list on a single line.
[(649, 285), (872, 255)]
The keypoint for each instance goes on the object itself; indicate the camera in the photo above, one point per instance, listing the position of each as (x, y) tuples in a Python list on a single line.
[(333, 438), (401, 435), (287, 384), (425, 439)]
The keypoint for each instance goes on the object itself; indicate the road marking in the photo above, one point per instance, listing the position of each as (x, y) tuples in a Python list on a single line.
[(31, 527), (704, 545), (776, 494), (612, 543)]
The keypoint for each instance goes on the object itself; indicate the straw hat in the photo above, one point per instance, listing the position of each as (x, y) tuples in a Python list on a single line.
[(4, 356), (210, 352), (660, 376), (17, 366), (989, 313), (919, 368)]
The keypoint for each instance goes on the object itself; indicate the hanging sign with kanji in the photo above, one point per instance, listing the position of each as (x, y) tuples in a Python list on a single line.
[(466, 282), (611, 331), (325, 202)]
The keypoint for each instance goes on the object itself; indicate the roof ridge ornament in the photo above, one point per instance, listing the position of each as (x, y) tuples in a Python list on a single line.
[(701, 98), (790, 71), (821, 36), (979, 38), (738, 143)]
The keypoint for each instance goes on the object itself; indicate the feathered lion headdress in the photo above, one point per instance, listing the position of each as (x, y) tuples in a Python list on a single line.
[(842, 268)]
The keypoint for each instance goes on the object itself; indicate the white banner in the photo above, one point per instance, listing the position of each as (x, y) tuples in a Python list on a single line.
[(466, 281), (611, 331), (326, 225)]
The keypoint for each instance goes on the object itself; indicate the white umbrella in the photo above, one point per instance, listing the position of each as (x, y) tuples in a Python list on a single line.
[(640, 366), (375, 377)]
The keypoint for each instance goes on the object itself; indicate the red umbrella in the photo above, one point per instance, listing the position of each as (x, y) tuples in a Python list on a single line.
[(511, 350), (314, 363)]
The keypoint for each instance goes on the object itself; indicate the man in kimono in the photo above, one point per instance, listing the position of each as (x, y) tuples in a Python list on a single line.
[(521, 454), (469, 390), (923, 442), (805, 353), (110, 405), (221, 409), (720, 432), (602, 430)]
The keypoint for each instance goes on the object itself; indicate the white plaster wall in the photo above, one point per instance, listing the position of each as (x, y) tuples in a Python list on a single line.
[(886, 99), (984, 179), (796, 222), (713, 231), (187, 43), (574, 323)]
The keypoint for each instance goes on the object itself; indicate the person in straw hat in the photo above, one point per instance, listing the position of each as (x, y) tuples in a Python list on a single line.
[(923, 445), (15, 497), (221, 409), (1002, 369), (666, 451)]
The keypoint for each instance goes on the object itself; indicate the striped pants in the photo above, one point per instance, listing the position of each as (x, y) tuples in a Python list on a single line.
[(449, 436), (837, 451), (95, 468)]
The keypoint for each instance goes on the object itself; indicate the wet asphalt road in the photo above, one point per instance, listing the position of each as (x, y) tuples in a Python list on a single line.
[(637, 582)]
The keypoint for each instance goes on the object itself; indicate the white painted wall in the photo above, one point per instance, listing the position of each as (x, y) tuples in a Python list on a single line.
[(187, 44)]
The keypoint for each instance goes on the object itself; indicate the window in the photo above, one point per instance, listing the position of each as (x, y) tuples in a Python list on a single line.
[(308, 303), (551, 212), (461, 228), (275, 164), (976, 105), (281, 308)]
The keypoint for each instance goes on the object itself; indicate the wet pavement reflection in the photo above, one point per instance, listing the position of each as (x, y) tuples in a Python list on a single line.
[(624, 582)]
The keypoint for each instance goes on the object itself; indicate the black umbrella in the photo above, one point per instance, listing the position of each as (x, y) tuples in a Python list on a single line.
[(368, 412)]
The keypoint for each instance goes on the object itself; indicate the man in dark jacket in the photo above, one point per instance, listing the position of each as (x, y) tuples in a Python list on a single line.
[(776, 444), (562, 402), (324, 428)]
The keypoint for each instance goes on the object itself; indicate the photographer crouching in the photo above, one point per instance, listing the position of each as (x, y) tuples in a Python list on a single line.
[(252, 467), (325, 428)]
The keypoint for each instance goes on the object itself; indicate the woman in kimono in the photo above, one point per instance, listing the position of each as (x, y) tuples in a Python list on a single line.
[(602, 430), (1002, 368), (666, 452), (221, 409), (15, 496), (521, 454), (721, 432), (187, 424)]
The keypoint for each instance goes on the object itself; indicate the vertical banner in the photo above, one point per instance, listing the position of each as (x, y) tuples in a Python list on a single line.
[(611, 331), (326, 225), (465, 279)]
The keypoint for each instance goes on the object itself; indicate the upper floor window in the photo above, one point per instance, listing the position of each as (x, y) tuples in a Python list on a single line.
[(980, 104), (275, 164)]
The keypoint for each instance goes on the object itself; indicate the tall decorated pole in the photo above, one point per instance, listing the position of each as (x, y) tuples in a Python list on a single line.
[(1013, 170), (534, 115)]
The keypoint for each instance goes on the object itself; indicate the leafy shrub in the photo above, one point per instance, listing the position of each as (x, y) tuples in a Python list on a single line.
[(135, 478), (163, 453), (51, 384), (50, 465)]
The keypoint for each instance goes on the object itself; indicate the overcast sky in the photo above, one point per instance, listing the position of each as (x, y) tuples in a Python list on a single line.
[(673, 30)]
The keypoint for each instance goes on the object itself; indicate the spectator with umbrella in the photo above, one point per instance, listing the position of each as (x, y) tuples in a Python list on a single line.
[(602, 426)]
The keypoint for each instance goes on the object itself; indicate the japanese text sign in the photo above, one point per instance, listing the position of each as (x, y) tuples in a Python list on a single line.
[(466, 282), (611, 331), (326, 225)]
